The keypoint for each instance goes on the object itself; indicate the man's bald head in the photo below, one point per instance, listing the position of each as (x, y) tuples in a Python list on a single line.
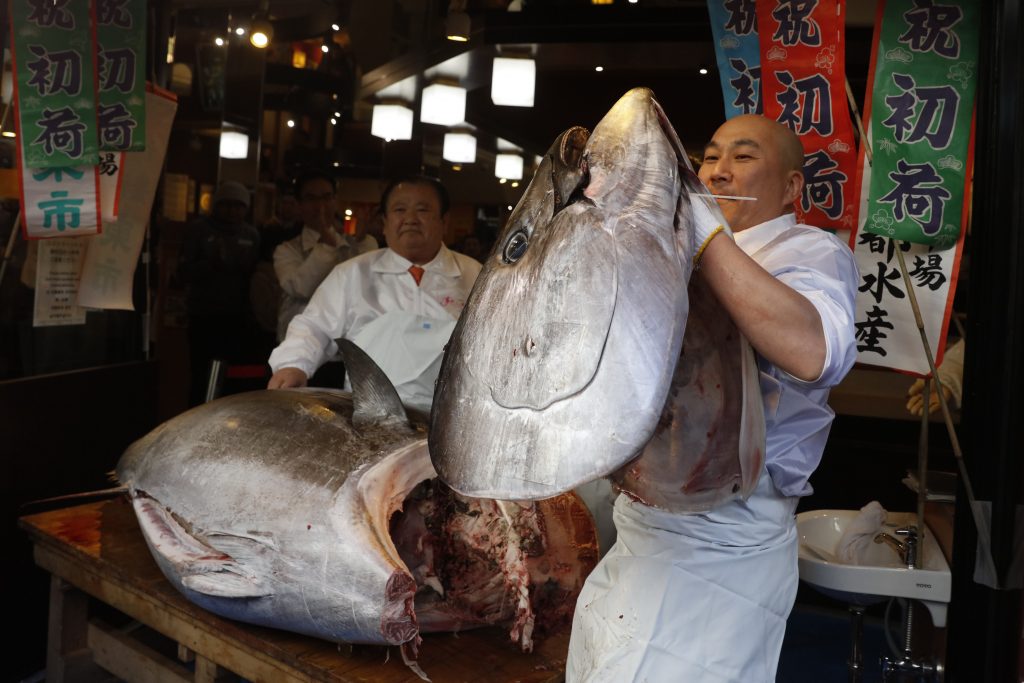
[(754, 156), (787, 145)]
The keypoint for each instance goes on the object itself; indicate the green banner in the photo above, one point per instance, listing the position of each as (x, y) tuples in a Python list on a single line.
[(922, 100), (54, 51), (121, 34)]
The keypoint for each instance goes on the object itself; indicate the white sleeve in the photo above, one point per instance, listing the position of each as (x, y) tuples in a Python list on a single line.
[(299, 275), (827, 277), (311, 334)]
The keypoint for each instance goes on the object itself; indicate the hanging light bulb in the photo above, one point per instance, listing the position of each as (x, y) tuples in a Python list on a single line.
[(457, 23), (261, 31), (391, 122), (234, 145), (443, 104), (261, 34), (459, 148), (513, 81), (508, 166)]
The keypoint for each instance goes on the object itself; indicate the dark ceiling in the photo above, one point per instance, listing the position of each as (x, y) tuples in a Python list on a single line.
[(659, 44)]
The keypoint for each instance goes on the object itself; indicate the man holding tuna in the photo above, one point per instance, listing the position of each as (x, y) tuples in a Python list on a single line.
[(725, 581)]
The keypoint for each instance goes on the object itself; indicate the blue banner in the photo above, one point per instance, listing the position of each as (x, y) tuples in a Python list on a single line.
[(734, 27)]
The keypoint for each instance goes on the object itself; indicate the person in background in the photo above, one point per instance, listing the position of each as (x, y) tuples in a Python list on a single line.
[(218, 257), (705, 597), (951, 374), (285, 224), (303, 262), (399, 304)]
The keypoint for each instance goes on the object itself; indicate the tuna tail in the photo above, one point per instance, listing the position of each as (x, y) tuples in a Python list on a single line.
[(374, 397)]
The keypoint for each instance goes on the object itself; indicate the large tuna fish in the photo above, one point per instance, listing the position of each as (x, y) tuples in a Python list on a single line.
[(306, 511), (563, 365)]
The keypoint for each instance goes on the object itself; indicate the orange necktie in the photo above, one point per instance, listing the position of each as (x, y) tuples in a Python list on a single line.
[(417, 273)]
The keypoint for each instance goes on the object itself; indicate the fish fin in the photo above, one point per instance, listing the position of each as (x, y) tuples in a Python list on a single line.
[(373, 395), (245, 549), (225, 584), (201, 567)]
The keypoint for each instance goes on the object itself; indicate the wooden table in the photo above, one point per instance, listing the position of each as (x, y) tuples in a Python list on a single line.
[(96, 552)]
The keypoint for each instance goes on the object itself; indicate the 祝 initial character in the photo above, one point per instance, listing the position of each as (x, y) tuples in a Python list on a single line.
[(51, 14), (795, 23), (878, 285), (67, 212), (823, 185), (919, 194), (870, 331), (113, 13), (742, 17), (116, 124), (935, 107), (747, 85), (62, 132), (806, 103), (928, 28), (929, 273)]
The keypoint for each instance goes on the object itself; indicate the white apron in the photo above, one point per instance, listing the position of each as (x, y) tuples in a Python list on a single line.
[(408, 348), (692, 598)]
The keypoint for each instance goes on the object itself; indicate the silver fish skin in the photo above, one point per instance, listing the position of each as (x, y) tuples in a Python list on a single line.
[(559, 368), (308, 511)]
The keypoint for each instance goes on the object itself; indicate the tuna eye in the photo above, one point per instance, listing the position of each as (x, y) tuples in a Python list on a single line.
[(515, 247)]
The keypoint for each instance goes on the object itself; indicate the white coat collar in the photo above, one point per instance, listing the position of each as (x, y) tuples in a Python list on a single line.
[(752, 239), (442, 264)]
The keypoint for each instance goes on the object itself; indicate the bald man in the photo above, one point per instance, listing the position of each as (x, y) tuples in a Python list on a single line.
[(706, 597)]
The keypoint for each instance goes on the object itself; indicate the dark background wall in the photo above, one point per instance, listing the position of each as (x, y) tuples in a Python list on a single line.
[(61, 434)]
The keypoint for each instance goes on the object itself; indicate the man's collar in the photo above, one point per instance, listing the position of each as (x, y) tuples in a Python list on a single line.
[(761, 234), (442, 264)]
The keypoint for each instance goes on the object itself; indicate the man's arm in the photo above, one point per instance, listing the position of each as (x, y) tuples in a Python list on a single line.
[(782, 325), (311, 334), (286, 378), (300, 275)]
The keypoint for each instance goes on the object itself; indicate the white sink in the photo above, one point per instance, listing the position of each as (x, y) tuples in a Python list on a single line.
[(881, 574)]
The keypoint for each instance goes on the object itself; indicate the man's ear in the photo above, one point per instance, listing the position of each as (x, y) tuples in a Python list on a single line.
[(794, 186)]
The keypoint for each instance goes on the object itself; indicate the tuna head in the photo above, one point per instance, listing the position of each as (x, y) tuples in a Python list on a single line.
[(559, 367)]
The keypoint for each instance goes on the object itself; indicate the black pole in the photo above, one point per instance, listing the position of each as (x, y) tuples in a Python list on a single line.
[(985, 623)]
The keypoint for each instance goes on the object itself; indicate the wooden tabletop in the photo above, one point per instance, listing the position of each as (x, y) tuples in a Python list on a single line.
[(100, 550)]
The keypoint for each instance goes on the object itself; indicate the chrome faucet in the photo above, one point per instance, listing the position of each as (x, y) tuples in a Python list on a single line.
[(907, 549)]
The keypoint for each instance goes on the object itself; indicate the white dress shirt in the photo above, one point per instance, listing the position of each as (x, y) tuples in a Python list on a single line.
[(303, 262), (797, 416), (374, 301)]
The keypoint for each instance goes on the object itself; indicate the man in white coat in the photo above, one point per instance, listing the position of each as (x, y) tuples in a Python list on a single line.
[(705, 597), (303, 262), (399, 304)]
